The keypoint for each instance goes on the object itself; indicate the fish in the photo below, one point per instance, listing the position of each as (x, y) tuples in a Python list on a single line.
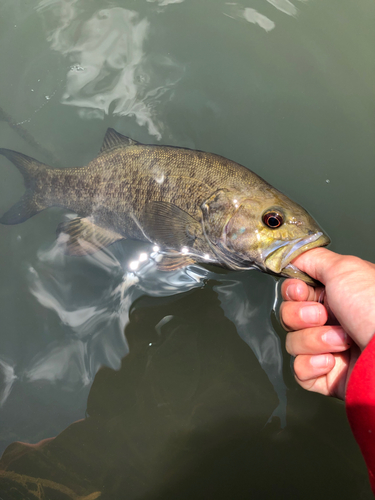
[(194, 206)]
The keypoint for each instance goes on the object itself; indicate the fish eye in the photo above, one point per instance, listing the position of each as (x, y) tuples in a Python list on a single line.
[(273, 219)]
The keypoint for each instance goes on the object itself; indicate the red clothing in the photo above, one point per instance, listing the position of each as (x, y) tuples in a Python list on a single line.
[(360, 406)]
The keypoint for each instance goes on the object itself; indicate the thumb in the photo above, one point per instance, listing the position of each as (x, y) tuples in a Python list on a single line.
[(317, 263)]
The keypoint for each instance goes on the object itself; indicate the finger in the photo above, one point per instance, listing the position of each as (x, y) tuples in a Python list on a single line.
[(318, 340), (325, 374), (316, 262), (309, 367), (297, 290), (301, 315)]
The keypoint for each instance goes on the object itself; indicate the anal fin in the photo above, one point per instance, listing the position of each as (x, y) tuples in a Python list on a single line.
[(82, 237), (174, 261)]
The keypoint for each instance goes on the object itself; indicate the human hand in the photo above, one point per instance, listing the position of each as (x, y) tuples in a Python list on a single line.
[(329, 326)]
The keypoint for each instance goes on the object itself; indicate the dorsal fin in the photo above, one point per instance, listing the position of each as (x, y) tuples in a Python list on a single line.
[(113, 139)]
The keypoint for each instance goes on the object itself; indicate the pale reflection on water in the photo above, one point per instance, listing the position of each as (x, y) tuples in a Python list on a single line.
[(8, 377), (284, 6), (237, 11), (109, 71), (163, 3), (94, 324)]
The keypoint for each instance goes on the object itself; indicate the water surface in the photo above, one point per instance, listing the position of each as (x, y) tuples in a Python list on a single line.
[(176, 386)]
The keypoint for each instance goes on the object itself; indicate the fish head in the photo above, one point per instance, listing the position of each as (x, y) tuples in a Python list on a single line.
[(267, 231)]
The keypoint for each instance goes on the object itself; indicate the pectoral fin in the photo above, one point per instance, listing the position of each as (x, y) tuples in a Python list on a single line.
[(169, 226), (82, 237)]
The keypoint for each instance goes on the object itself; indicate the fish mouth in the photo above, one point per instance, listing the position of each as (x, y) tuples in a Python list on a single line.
[(278, 260)]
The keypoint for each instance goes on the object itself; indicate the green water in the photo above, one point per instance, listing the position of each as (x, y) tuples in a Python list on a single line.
[(178, 386)]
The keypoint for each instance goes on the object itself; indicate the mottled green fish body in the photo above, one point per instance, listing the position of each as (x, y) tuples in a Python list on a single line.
[(196, 206)]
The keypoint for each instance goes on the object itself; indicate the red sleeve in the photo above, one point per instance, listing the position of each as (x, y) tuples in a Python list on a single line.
[(360, 406)]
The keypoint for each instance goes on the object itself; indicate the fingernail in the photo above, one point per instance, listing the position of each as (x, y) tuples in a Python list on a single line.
[(335, 337), (310, 314), (319, 361), (294, 291)]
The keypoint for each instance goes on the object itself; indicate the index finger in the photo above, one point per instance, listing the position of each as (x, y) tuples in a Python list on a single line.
[(297, 290)]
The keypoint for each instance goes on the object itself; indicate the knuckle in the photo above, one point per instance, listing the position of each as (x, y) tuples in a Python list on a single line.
[(347, 263)]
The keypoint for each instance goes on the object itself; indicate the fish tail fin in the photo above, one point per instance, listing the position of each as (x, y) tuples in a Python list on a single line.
[(29, 204)]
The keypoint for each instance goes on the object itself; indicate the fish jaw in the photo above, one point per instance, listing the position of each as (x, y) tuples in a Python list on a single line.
[(291, 271), (279, 260)]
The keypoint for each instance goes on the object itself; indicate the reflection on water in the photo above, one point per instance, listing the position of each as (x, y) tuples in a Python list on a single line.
[(92, 323), (187, 406), (162, 3), (94, 330), (284, 6), (7, 377), (168, 381), (109, 71), (255, 328), (255, 17), (179, 375), (238, 11), (173, 390)]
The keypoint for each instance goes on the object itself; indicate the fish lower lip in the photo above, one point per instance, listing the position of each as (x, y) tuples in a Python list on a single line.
[(302, 245)]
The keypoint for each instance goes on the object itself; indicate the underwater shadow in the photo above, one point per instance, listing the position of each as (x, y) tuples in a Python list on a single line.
[(189, 387)]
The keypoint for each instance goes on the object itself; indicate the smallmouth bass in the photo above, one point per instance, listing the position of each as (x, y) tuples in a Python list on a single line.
[(195, 206)]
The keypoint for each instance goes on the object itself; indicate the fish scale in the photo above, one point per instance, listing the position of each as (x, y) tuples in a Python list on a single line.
[(195, 206)]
